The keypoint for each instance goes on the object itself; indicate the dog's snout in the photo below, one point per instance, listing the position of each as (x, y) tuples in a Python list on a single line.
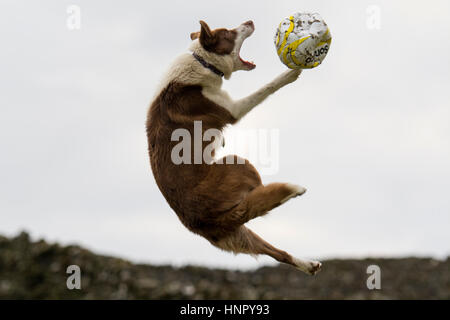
[(249, 23)]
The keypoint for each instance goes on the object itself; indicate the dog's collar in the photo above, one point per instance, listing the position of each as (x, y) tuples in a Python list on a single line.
[(208, 65)]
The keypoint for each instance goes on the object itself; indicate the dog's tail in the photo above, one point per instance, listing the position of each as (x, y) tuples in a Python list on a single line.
[(244, 240)]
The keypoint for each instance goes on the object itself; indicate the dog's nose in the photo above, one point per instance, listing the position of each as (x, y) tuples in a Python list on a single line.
[(249, 23)]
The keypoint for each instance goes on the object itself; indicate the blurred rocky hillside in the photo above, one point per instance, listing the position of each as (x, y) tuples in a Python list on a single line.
[(37, 270)]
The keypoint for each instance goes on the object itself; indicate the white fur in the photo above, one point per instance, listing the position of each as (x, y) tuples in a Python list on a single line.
[(296, 191), (187, 70), (239, 108), (307, 266)]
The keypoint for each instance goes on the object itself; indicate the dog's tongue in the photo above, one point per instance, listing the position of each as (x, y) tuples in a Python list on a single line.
[(248, 64)]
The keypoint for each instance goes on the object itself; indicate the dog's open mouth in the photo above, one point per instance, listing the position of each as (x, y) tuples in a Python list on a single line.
[(244, 31), (248, 65)]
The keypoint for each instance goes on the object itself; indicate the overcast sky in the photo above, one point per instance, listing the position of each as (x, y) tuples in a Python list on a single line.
[(367, 132)]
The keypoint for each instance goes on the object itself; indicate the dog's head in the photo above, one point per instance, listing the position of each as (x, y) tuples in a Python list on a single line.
[(225, 44)]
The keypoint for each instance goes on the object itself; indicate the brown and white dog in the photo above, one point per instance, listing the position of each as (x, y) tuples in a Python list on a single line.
[(212, 199)]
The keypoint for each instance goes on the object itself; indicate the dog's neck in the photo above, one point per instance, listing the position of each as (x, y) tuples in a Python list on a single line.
[(224, 63), (208, 65)]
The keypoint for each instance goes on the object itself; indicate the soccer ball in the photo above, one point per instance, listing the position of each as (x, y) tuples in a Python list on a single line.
[(302, 40)]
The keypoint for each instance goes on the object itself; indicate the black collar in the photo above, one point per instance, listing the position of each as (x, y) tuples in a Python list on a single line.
[(208, 65)]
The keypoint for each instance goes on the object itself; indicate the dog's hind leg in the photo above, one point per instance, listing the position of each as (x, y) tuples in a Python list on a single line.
[(243, 240), (261, 200)]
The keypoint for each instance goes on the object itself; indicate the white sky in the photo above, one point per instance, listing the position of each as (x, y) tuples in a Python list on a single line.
[(367, 132)]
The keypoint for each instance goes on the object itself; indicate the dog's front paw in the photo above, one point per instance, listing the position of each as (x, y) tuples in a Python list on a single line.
[(291, 75)]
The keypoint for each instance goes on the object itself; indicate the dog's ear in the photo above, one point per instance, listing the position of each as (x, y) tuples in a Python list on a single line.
[(205, 29), (195, 35), (207, 38)]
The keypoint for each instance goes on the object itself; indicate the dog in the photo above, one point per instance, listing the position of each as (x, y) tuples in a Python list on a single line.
[(215, 200)]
